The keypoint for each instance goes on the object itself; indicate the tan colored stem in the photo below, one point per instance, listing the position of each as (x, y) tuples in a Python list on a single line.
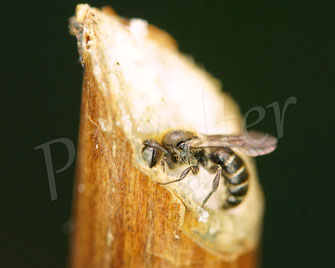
[(122, 216)]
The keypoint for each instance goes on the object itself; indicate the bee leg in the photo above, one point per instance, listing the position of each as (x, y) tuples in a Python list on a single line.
[(183, 175), (215, 184)]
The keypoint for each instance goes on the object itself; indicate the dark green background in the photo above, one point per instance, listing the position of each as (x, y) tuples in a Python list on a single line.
[(262, 53)]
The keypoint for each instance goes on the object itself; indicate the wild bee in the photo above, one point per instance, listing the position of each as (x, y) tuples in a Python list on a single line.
[(218, 154)]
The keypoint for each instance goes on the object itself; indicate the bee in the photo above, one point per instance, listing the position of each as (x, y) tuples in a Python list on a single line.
[(218, 154)]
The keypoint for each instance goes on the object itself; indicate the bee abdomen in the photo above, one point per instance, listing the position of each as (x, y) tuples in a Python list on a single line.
[(239, 190), (236, 180), (237, 177), (232, 201)]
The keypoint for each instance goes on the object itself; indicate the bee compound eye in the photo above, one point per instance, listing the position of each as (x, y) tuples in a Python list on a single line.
[(181, 145), (147, 155)]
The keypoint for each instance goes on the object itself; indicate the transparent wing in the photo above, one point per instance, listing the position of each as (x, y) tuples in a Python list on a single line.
[(252, 143)]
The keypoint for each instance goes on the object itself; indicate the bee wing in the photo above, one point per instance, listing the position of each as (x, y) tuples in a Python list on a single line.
[(252, 143)]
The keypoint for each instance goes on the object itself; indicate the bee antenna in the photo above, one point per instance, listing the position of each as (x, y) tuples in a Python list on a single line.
[(155, 145)]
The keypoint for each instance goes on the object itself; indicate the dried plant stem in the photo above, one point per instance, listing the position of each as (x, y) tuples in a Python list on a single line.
[(123, 218)]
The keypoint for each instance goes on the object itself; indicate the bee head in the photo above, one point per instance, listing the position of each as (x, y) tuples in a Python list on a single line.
[(152, 152), (176, 139)]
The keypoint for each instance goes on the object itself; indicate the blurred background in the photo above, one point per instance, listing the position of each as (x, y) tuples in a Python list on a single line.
[(263, 53)]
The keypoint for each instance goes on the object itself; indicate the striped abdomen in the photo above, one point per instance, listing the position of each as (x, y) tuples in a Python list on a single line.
[(235, 175)]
